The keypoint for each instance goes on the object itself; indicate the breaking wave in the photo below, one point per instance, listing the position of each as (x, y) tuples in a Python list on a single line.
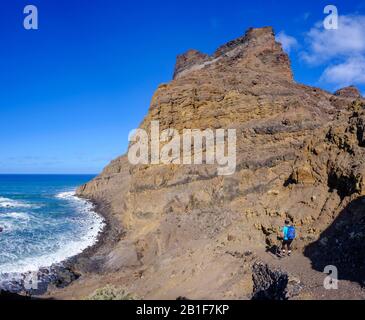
[(38, 237)]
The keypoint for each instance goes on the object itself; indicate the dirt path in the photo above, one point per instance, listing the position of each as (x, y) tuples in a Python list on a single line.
[(300, 267)]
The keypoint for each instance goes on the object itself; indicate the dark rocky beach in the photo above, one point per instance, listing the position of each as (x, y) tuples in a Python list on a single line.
[(20, 285)]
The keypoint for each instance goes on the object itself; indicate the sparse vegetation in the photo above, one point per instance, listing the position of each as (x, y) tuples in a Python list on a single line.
[(112, 293)]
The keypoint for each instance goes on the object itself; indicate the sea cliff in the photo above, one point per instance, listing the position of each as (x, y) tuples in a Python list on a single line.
[(184, 231)]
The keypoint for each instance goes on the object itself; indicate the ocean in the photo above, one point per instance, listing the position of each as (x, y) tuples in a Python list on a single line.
[(43, 222)]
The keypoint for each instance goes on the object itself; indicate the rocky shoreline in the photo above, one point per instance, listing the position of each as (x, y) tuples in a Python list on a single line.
[(89, 260), (62, 274)]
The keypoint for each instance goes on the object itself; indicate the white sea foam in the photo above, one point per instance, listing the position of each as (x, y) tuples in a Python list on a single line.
[(7, 226), (9, 203), (16, 215), (69, 195), (67, 248)]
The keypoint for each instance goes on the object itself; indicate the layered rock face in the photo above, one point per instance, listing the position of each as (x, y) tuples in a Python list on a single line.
[(300, 155)]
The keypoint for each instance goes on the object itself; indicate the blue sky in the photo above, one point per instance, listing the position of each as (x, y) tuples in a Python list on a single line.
[(72, 90)]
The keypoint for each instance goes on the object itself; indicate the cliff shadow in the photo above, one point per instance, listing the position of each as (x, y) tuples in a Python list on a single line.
[(342, 244)]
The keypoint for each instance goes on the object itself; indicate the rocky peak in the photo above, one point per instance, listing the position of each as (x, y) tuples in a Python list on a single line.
[(254, 37), (348, 92), (256, 49), (188, 59)]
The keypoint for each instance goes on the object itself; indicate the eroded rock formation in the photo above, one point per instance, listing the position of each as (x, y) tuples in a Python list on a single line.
[(300, 155)]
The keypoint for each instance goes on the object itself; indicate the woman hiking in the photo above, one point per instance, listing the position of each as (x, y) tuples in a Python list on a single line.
[(288, 237)]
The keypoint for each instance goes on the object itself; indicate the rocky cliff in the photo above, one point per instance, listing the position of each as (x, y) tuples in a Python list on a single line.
[(182, 230)]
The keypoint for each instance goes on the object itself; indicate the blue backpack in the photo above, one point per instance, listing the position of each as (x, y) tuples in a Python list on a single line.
[(291, 233)]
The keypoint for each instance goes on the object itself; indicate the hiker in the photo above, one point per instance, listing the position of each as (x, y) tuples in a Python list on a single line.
[(288, 237)]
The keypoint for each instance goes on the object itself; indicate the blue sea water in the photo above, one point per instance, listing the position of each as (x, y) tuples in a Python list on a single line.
[(44, 223)]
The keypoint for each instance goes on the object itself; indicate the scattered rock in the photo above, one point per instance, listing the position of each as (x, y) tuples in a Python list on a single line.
[(273, 284)]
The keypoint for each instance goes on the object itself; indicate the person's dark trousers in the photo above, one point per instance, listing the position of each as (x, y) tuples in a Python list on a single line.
[(287, 245)]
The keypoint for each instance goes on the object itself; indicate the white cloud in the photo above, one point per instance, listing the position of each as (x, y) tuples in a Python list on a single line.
[(351, 71), (344, 42), (340, 51), (288, 42)]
